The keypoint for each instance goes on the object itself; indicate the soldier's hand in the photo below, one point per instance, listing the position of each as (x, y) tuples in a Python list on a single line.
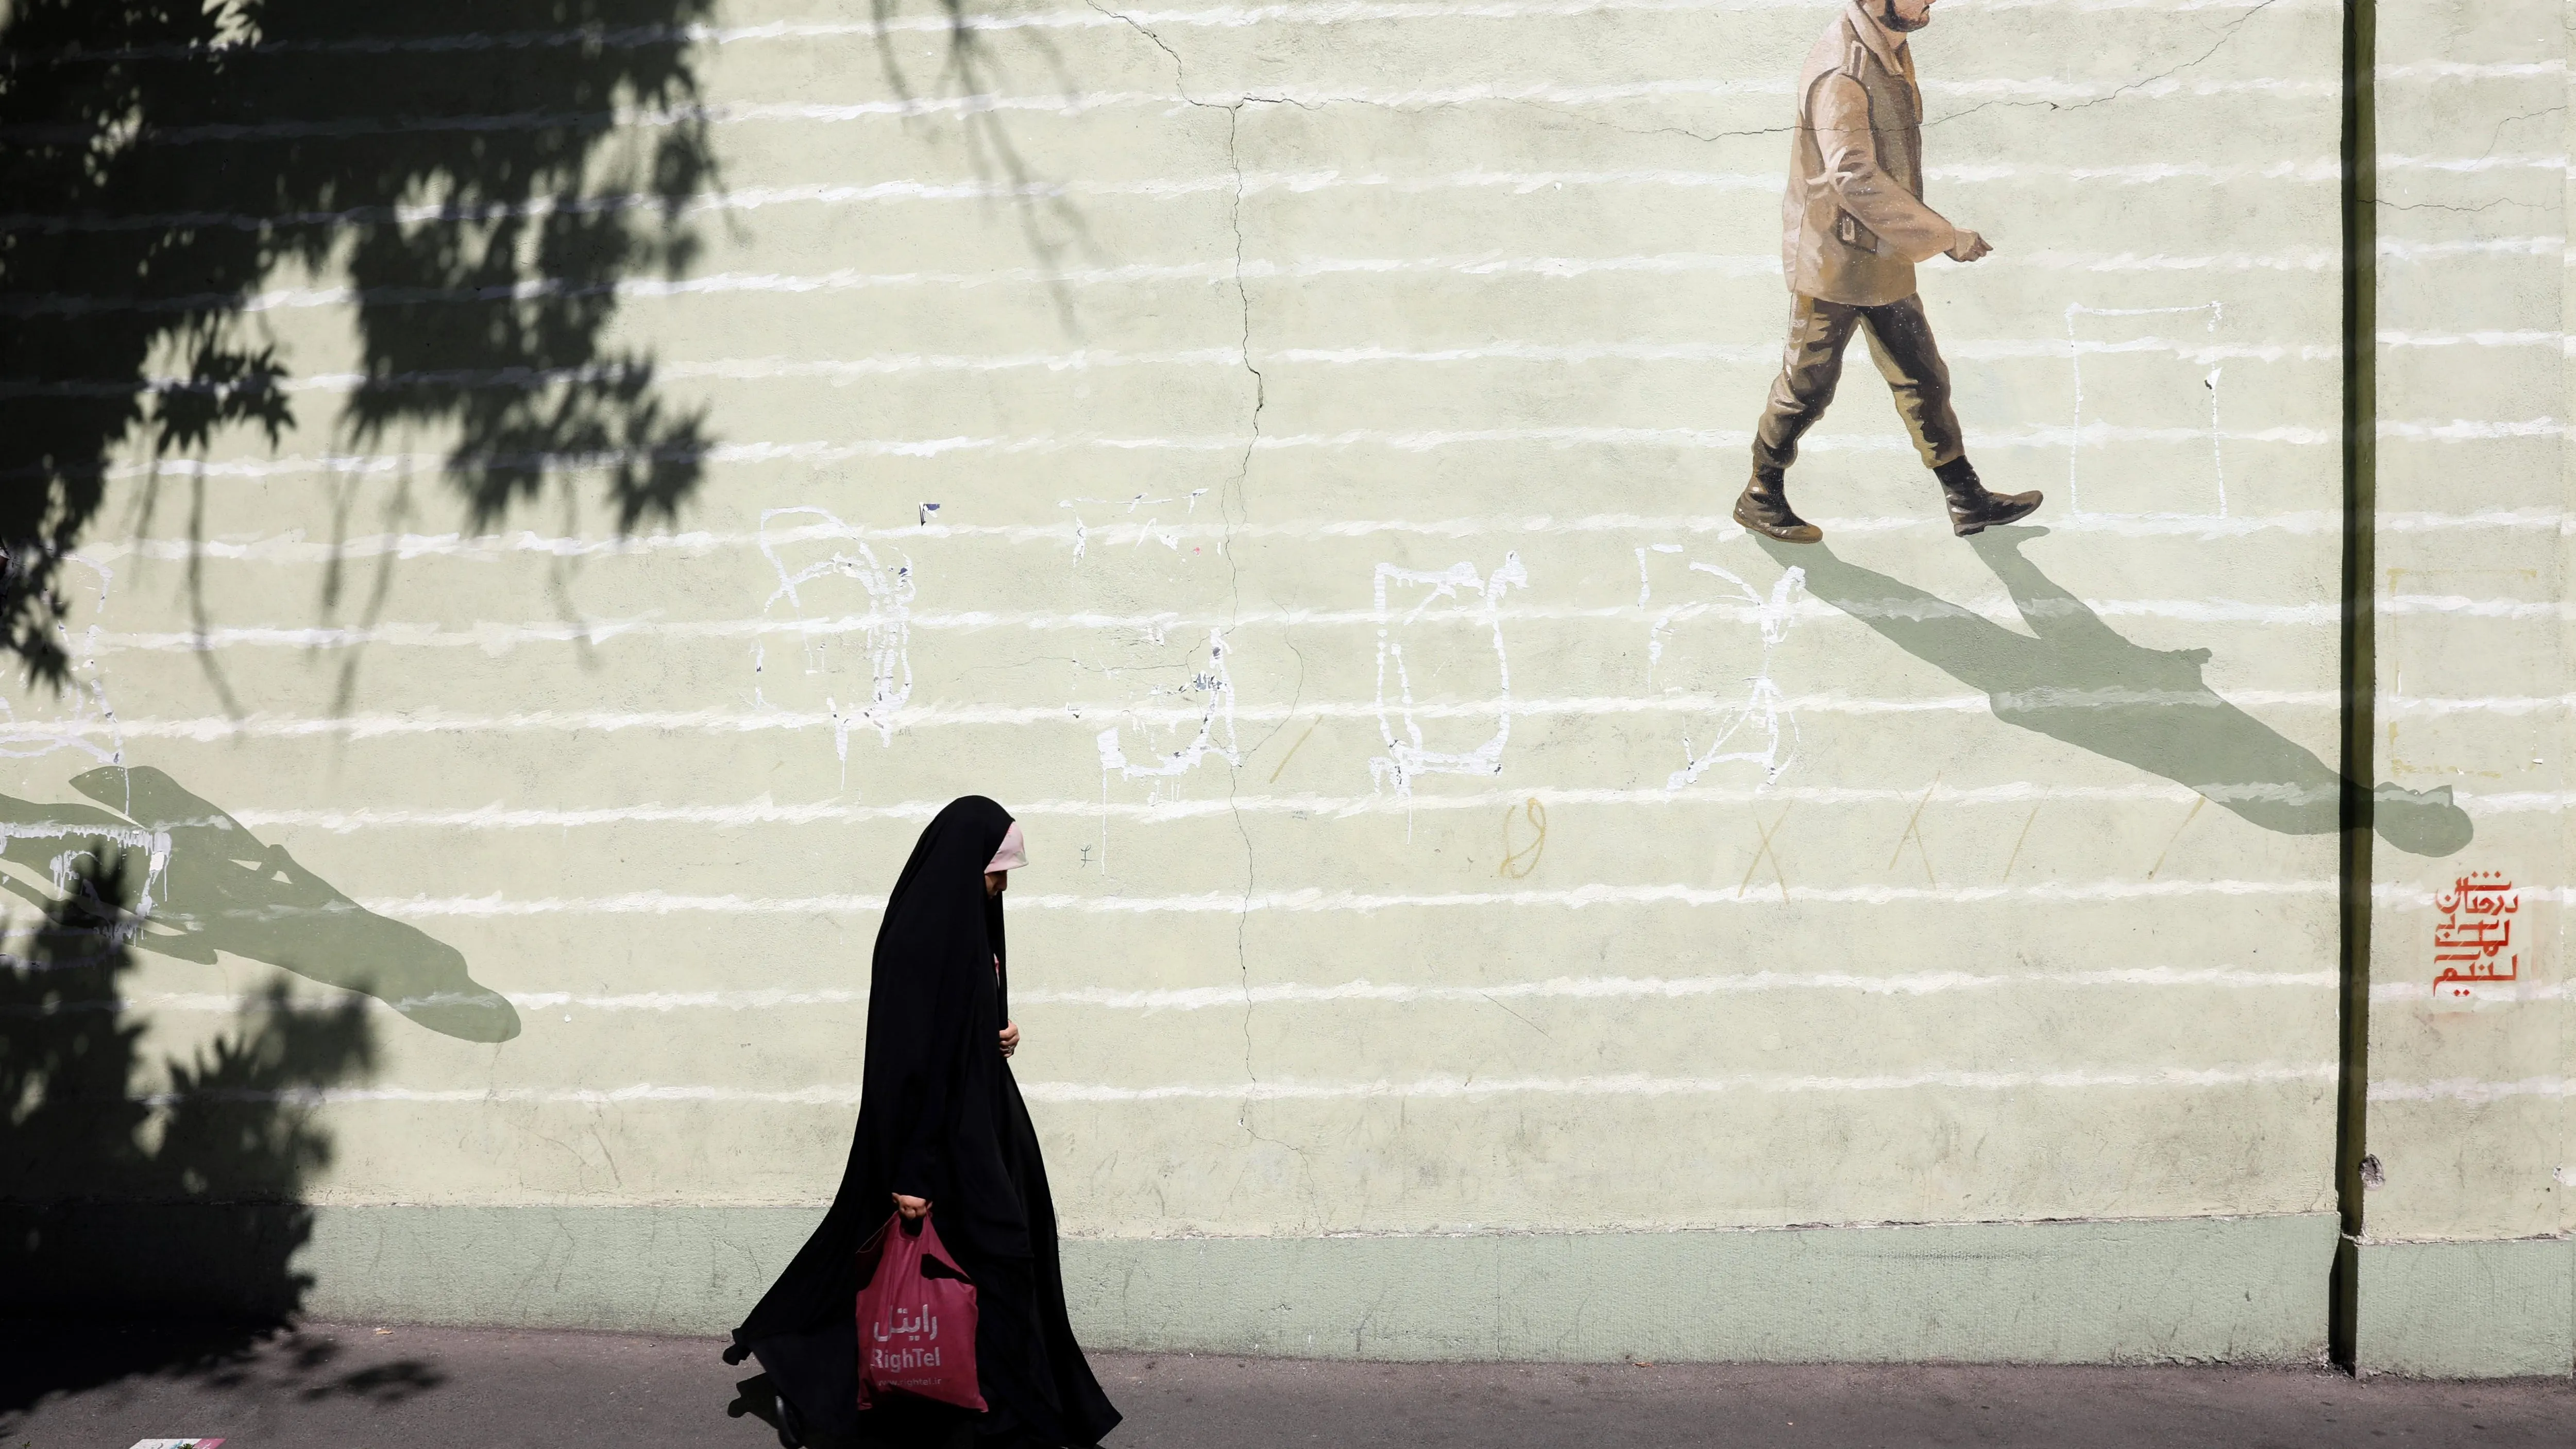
[(1968, 247)]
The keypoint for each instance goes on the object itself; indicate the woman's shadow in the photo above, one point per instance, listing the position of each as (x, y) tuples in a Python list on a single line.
[(2072, 678)]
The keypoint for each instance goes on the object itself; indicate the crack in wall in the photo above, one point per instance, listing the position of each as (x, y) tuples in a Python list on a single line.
[(1235, 504), (2227, 33), (2464, 210)]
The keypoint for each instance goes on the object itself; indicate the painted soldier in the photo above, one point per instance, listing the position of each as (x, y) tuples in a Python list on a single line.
[(1855, 226)]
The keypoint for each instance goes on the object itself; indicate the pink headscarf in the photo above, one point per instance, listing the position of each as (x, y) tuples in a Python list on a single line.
[(1013, 854)]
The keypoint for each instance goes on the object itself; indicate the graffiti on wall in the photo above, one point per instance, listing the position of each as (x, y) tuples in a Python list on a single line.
[(1471, 602)]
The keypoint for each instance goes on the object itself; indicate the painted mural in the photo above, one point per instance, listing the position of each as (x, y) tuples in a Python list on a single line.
[(516, 551)]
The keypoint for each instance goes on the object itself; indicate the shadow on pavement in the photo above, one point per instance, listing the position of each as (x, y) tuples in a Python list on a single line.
[(169, 1190), (38, 1362)]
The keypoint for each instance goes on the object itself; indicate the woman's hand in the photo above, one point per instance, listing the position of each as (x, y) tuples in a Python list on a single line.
[(912, 1207), (1010, 1038)]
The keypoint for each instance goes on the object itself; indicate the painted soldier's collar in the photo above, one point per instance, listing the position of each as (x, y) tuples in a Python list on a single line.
[(1890, 49)]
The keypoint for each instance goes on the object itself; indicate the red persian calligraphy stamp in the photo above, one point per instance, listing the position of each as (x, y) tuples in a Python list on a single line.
[(2473, 939)]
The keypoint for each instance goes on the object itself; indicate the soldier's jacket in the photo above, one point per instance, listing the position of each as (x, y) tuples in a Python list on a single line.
[(1854, 216)]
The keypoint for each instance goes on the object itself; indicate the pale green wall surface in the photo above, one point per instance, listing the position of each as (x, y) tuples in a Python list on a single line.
[(1294, 380), (2176, 1290), (2241, 1290), (2468, 1310), (2469, 1116)]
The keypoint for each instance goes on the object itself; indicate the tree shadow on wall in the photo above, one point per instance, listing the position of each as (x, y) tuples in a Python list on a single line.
[(475, 181), (172, 1190), (2074, 679), (211, 886)]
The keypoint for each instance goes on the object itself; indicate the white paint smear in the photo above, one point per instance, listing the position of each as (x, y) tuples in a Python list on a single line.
[(1761, 730), (76, 717), (1215, 687), (1476, 611), (152, 845), (805, 568), (2139, 389)]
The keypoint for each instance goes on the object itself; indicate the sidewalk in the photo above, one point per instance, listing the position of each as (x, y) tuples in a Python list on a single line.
[(365, 1387)]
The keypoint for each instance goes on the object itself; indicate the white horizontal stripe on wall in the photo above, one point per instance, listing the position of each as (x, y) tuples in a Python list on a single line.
[(1632, 1084), (498, 637), (2041, 89), (1620, 1085), (1322, 13), (764, 811), (853, 369), (841, 371), (1742, 264), (2472, 70), (1434, 1088), (2516, 992), (1591, 988), (295, 549), (1317, 900), (210, 728), (2318, 171), (2095, 435), (2467, 1089)]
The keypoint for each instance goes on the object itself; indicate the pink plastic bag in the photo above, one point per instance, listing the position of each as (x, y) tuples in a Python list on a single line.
[(916, 1319)]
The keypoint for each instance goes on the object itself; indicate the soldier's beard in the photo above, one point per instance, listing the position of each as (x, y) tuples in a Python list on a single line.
[(1888, 17)]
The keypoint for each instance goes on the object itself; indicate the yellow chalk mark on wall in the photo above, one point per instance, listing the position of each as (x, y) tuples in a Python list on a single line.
[(1292, 751), (1763, 852), (2018, 840), (2177, 835), (1517, 864), (1914, 833)]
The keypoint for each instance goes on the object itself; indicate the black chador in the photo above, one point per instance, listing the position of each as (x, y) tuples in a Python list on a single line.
[(939, 1118)]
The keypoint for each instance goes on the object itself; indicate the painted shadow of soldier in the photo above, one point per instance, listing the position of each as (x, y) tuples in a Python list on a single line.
[(2073, 678), (211, 886)]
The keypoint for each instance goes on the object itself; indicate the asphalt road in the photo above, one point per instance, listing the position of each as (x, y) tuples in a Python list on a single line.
[(369, 1387)]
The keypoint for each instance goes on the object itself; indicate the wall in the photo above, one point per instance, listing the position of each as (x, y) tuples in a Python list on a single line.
[(1284, 454), (2465, 1266)]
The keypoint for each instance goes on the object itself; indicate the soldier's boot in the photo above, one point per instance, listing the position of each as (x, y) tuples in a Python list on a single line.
[(1764, 509), (1972, 508)]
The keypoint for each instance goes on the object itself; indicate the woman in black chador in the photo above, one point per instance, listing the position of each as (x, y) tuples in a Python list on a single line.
[(942, 1130)]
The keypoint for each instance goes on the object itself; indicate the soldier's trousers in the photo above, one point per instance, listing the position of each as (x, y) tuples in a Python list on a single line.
[(1900, 342)]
